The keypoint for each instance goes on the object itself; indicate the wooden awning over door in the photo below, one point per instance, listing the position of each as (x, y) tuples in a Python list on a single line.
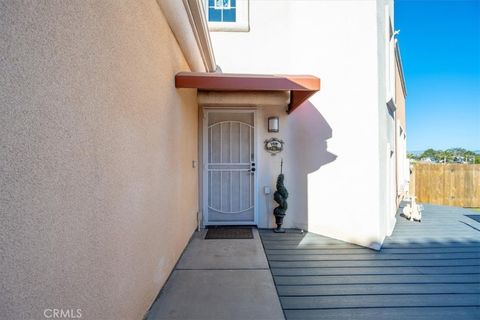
[(301, 87)]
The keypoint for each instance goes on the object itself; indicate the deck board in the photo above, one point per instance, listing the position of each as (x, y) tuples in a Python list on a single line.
[(425, 313), (366, 289), (325, 271), (378, 263), (427, 270), (378, 301)]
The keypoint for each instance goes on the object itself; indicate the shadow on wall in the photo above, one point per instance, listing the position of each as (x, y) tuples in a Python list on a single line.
[(309, 134)]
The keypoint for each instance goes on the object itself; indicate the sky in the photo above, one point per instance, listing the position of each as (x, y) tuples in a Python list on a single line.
[(439, 43)]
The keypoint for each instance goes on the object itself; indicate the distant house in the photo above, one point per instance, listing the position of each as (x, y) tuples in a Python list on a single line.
[(120, 135)]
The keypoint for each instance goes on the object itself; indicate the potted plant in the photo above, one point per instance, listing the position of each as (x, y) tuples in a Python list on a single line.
[(280, 196)]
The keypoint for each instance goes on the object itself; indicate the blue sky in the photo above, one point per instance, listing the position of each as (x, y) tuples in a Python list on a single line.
[(439, 42)]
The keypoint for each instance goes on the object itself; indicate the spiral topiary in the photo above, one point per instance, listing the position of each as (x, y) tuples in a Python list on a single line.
[(280, 196)]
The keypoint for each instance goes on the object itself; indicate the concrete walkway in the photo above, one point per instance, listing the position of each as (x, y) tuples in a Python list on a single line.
[(220, 280)]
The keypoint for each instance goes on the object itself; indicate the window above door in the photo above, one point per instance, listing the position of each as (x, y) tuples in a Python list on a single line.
[(227, 15), (222, 10)]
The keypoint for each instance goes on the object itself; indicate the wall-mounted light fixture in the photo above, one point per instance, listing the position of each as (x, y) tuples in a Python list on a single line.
[(273, 124)]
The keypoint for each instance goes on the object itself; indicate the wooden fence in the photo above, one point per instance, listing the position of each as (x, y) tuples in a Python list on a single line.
[(446, 184)]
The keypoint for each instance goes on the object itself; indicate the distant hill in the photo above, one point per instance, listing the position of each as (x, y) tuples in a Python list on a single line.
[(417, 153)]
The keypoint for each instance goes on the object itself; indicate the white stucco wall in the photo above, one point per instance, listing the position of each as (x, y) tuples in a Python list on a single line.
[(98, 196), (333, 167), (386, 119)]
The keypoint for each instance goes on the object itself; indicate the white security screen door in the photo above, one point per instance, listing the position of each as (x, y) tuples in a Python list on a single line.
[(229, 172)]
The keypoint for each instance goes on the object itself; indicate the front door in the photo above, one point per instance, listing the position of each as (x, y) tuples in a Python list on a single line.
[(229, 171)]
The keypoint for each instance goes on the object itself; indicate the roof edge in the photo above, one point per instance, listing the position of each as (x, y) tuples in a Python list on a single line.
[(198, 21), (187, 21), (398, 60)]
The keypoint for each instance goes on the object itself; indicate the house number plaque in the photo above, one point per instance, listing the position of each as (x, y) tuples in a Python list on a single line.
[(274, 145)]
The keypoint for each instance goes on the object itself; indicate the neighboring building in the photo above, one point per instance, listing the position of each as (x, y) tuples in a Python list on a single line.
[(345, 154), (110, 159), (403, 163)]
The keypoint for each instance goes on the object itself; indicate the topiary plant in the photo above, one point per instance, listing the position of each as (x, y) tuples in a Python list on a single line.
[(280, 196)]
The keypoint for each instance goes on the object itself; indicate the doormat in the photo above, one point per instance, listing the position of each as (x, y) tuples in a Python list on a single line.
[(229, 233)]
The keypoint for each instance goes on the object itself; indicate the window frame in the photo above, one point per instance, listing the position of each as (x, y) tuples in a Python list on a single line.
[(242, 17)]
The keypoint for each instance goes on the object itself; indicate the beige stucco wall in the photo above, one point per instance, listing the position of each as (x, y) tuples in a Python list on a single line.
[(98, 196), (402, 168), (399, 97)]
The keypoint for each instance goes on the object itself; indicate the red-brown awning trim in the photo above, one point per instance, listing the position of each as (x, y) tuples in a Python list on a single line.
[(301, 87)]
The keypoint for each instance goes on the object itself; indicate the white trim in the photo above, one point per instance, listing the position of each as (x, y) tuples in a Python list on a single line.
[(198, 21), (389, 56), (189, 26), (221, 122), (240, 211), (231, 163), (205, 170)]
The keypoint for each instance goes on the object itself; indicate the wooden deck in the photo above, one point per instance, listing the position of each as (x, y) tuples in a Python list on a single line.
[(428, 270)]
